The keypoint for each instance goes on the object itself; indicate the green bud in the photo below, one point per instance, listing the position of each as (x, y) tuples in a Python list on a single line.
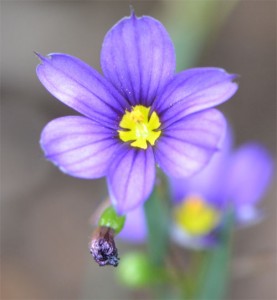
[(135, 271), (111, 219)]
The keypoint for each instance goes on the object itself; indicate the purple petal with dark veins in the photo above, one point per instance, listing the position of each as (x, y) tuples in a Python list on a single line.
[(138, 58), (192, 91), (131, 178), (82, 88), (210, 182), (79, 146), (187, 146)]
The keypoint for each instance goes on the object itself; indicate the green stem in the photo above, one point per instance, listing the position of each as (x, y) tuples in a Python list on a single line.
[(158, 220), (214, 272)]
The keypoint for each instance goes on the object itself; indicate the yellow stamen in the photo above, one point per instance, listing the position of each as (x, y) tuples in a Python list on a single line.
[(138, 128), (195, 216)]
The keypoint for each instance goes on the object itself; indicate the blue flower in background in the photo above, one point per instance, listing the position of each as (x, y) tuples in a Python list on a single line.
[(233, 179)]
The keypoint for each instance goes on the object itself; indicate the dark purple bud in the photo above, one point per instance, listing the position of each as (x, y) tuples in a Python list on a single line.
[(102, 247)]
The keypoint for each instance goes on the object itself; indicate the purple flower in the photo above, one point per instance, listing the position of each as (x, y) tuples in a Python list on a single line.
[(236, 179), (233, 178), (135, 116)]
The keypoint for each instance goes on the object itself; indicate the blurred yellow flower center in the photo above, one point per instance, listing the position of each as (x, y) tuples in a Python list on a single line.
[(139, 128), (195, 216)]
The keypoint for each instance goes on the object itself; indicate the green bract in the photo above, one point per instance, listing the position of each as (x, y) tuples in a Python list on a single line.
[(110, 218)]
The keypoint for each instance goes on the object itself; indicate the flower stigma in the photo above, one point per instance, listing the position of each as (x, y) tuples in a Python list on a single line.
[(196, 216), (139, 128)]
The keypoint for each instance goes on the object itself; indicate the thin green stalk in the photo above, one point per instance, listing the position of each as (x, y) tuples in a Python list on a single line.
[(158, 221), (214, 274)]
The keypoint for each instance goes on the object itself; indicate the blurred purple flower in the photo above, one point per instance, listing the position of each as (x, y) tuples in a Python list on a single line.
[(233, 179), (138, 114)]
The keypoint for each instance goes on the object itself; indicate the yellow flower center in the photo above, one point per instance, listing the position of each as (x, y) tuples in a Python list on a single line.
[(195, 216), (138, 128)]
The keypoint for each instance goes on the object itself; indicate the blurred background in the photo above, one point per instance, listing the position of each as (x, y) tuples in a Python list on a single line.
[(45, 214)]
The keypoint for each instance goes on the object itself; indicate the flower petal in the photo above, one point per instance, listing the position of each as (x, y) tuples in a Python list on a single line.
[(210, 182), (78, 146), (251, 170), (82, 88), (192, 91), (131, 178), (135, 227), (188, 145), (185, 240), (138, 58)]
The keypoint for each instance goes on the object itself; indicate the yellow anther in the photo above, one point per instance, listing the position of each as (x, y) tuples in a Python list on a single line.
[(196, 216), (136, 115), (138, 128)]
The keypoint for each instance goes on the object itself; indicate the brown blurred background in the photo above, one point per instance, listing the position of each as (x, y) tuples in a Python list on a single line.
[(45, 214)]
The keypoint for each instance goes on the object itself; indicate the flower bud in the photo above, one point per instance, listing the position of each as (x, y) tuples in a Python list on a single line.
[(136, 271)]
